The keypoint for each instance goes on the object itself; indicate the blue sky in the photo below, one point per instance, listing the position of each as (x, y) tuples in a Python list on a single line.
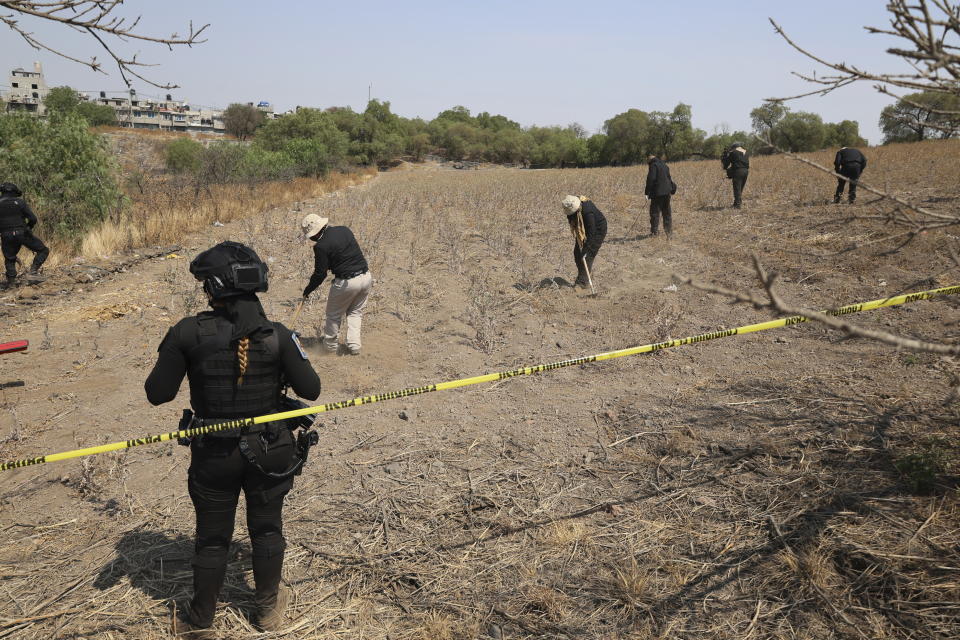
[(536, 61)]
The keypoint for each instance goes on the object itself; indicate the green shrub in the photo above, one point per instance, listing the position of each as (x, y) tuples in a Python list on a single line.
[(65, 171), (61, 101), (183, 155), (97, 114)]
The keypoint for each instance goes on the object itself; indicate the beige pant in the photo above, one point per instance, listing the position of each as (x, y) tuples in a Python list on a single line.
[(347, 297)]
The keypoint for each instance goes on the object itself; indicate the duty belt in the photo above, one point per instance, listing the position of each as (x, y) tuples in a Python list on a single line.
[(304, 439), (191, 421), (354, 274)]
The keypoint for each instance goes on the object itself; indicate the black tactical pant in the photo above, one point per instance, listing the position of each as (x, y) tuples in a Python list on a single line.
[(11, 241), (739, 179), (660, 205), (851, 171), (590, 250), (218, 470)]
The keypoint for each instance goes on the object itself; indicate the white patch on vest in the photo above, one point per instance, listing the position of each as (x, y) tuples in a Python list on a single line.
[(296, 341)]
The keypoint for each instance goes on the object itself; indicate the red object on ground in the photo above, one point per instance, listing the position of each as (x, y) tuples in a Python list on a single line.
[(12, 347)]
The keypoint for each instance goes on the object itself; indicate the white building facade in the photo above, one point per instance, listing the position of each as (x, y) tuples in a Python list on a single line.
[(27, 90)]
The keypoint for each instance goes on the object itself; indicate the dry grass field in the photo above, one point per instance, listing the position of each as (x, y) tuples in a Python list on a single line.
[(787, 484)]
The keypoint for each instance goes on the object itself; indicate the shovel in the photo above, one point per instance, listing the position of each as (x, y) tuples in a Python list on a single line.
[(583, 259), (296, 314)]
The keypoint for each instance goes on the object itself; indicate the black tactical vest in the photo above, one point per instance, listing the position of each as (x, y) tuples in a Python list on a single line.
[(214, 369), (11, 215)]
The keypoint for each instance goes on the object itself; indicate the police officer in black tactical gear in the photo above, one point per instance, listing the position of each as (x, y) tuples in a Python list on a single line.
[(660, 186), (737, 165), (16, 230), (850, 163), (237, 362)]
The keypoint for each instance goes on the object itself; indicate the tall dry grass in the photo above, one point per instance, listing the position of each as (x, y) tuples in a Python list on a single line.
[(167, 211)]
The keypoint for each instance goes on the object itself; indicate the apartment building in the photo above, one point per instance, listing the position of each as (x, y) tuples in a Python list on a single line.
[(172, 115), (27, 90)]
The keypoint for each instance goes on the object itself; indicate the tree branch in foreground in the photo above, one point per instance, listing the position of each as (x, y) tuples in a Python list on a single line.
[(775, 303), (929, 31), (96, 18)]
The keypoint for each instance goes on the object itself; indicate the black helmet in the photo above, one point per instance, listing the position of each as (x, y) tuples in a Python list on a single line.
[(734, 145), (10, 188), (230, 269)]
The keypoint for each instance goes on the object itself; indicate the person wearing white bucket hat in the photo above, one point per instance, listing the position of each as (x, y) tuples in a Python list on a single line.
[(589, 228), (336, 250)]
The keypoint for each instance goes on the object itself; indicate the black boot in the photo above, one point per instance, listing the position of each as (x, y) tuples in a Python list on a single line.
[(581, 280), (209, 570), (38, 259), (271, 597), (183, 627)]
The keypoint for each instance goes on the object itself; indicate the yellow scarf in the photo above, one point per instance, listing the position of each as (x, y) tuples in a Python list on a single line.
[(576, 225)]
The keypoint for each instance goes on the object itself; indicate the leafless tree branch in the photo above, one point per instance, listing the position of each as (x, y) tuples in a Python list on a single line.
[(98, 19), (930, 32), (906, 214), (774, 302)]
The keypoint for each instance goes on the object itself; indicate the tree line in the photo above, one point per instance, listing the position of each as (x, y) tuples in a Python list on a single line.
[(313, 141), (71, 176), (339, 136)]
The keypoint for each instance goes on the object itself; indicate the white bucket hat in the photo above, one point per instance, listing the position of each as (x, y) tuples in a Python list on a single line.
[(312, 224), (571, 204)]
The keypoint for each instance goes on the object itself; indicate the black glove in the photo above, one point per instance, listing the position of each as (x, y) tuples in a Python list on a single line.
[(306, 292)]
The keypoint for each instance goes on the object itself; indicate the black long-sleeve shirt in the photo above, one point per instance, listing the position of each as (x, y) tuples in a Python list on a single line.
[(735, 159), (16, 214), (592, 217), (337, 251), (659, 182), (163, 383), (848, 156)]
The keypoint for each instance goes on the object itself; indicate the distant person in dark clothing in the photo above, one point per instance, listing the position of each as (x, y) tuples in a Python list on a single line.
[(589, 228), (735, 162), (659, 189), (16, 230), (337, 250), (849, 163)]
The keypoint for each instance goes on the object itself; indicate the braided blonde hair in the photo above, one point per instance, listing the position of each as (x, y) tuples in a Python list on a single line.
[(242, 358)]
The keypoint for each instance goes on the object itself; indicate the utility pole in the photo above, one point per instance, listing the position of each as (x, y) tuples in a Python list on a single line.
[(133, 92), (369, 92)]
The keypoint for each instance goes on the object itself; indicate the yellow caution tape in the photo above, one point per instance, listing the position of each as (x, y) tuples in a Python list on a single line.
[(490, 377)]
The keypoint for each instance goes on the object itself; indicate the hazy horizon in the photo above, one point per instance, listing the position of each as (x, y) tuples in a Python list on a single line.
[(539, 63)]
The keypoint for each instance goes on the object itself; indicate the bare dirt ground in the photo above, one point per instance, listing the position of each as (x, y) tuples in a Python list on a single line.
[(740, 488)]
